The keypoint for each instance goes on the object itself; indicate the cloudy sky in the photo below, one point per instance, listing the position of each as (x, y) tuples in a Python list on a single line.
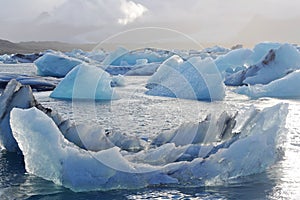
[(172, 21)]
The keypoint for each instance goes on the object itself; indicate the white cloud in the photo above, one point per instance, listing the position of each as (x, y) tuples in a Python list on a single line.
[(131, 10)]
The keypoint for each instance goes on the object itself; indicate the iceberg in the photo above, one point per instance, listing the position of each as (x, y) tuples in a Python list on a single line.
[(55, 64), (85, 82), (286, 87), (7, 59), (21, 96), (14, 95), (143, 69), (262, 49), (276, 64), (114, 56), (49, 155), (96, 56), (26, 58), (233, 60), (123, 57), (36, 83), (192, 79), (147, 69)]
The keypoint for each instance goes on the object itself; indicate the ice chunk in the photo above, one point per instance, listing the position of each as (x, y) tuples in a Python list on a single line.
[(276, 64), (233, 59), (48, 155), (118, 81), (7, 59), (193, 79), (57, 65), (286, 87), (85, 82)]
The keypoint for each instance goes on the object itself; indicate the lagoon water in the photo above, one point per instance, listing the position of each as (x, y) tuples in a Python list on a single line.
[(145, 116)]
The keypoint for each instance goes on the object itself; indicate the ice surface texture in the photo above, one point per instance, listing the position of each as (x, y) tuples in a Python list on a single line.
[(55, 64), (195, 79), (49, 155), (85, 82)]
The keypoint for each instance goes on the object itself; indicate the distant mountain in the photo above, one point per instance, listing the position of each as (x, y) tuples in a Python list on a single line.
[(7, 47)]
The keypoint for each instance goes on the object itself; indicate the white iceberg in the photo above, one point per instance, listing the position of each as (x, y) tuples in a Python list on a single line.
[(286, 87), (85, 82), (55, 64), (276, 64), (192, 79), (49, 155), (261, 50), (233, 60)]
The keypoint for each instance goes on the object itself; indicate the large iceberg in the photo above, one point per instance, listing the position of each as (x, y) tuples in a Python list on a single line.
[(276, 64), (286, 87), (47, 154), (85, 82), (55, 64), (192, 79)]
